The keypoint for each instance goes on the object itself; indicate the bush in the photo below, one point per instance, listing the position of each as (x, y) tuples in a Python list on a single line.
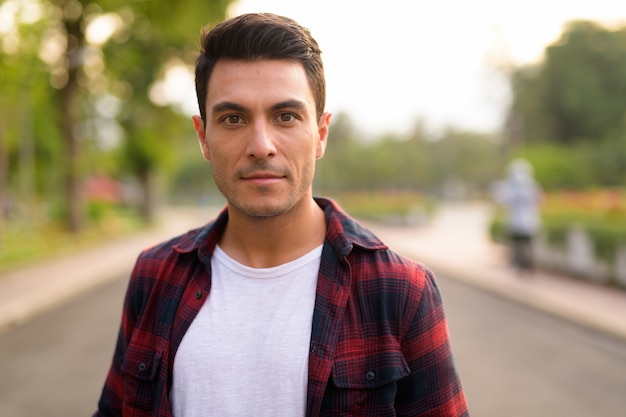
[(27, 242), (600, 213), (580, 165), (380, 205)]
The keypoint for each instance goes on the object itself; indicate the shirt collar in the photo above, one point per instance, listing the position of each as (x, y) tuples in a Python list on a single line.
[(342, 232)]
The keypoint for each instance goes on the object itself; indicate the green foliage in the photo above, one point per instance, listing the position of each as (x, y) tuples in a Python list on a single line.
[(191, 180), (26, 244), (153, 37), (31, 142), (556, 228), (601, 214), (606, 160), (557, 166), (420, 161), (148, 37), (578, 166), (380, 205), (607, 237), (577, 93)]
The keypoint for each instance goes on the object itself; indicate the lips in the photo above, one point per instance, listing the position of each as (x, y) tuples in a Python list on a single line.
[(263, 176)]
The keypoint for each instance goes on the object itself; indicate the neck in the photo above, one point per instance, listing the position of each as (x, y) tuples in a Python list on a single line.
[(272, 241)]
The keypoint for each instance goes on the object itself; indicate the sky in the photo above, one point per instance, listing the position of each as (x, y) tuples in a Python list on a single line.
[(391, 63)]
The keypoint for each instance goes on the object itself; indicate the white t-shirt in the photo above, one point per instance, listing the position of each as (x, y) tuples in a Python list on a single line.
[(246, 353)]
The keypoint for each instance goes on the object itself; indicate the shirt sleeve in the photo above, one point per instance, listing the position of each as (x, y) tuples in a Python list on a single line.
[(110, 403), (433, 387)]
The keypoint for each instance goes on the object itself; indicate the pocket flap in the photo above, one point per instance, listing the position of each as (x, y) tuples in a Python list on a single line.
[(369, 370)]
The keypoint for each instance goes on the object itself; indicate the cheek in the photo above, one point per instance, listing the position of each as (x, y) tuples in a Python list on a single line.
[(306, 157), (217, 153), (309, 166), (220, 177)]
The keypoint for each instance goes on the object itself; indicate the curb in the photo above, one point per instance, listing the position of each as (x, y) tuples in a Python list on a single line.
[(568, 309)]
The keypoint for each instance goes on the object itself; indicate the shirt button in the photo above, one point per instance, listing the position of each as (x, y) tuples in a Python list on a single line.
[(370, 375), (141, 367), (198, 295)]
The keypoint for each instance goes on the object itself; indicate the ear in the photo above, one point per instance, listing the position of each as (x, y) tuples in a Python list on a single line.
[(198, 126), (323, 128)]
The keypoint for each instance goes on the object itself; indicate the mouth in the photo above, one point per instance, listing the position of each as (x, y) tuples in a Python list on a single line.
[(263, 177)]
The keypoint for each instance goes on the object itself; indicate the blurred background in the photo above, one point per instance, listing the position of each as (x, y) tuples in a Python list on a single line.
[(428, 101), (431, 103)]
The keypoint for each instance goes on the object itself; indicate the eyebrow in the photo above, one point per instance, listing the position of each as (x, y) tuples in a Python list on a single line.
[(294, 104), (230, 106), (227, 106)]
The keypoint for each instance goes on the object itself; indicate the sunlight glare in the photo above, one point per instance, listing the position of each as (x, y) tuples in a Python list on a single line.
[(177, 89), (100, 29)]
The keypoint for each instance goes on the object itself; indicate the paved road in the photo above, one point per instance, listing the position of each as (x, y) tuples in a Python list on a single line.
[(518, 362), (54, 365), (514, 361)]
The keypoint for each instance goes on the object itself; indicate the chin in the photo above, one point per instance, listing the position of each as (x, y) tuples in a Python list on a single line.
[(260, 210)]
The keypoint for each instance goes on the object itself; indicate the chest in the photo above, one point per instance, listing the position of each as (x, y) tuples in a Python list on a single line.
[(251, 335)]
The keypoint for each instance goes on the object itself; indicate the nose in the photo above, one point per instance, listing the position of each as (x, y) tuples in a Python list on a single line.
[(260, 143)]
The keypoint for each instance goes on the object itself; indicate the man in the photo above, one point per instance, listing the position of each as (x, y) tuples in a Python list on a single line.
[(283, 306)]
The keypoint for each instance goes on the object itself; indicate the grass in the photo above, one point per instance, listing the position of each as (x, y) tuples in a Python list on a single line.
[(25, 243)]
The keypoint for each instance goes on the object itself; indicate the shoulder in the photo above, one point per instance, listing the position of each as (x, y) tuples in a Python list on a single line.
[(370, 259), (163, 270), (390, 269), (172, 247), (197, 242), (174, 259)]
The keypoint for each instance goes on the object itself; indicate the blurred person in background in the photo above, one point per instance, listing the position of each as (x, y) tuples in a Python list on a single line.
[(520, 196), (283, 305)]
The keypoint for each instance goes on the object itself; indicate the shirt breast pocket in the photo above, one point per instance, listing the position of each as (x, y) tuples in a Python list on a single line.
[(362, 380), (140, 369), (362, 370)]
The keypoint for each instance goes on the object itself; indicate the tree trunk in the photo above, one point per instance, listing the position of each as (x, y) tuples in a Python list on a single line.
[(27, 166), (69, 99), (4, 168), (147, 202)]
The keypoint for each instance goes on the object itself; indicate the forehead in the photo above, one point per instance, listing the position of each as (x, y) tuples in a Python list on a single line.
[(259, 80)]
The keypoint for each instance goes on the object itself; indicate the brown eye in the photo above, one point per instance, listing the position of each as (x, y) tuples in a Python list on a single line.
[(286, 117), (233, 119)]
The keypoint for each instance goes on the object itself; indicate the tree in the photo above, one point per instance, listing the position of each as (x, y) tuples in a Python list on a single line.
[(73, 24), (585, 81), (145, 37), (150, 38), (420, 161), (29, 135), (577, 92), (571, 107)]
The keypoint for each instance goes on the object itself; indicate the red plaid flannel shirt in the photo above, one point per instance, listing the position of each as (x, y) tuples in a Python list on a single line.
[(379, 340)]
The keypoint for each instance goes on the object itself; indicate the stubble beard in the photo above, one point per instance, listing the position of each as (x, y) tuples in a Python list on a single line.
[(253, 207)]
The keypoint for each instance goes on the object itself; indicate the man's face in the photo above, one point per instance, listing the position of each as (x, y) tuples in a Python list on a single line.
[(262, 135)]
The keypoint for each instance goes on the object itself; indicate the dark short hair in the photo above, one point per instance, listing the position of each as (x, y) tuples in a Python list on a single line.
[(254, 36)]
